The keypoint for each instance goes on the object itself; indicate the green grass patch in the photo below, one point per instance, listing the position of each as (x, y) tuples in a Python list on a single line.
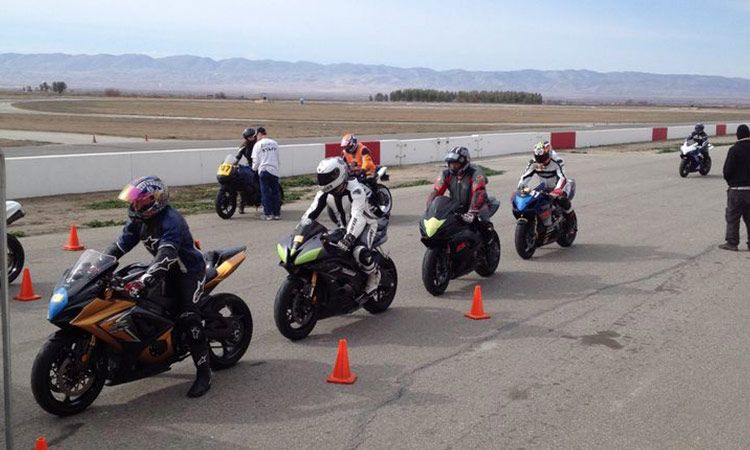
[(106, 204), (298, 181), (490, 172), (17, 233), (412, 183), (194, 207), (104, 223), (667, 149)]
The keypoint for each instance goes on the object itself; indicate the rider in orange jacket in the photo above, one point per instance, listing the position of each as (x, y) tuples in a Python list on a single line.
[(357, 156)]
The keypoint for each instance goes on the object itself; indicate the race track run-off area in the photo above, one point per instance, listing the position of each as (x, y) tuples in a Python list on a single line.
[(634, 337)]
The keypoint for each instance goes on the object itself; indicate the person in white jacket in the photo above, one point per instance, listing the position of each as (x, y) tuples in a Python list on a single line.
[(346, 200), (266, 163)]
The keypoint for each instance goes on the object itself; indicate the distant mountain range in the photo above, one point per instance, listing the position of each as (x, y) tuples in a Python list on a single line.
[(239, 76)]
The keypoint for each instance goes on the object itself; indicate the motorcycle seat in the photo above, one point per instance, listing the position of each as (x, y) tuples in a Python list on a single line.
[(214, 258)]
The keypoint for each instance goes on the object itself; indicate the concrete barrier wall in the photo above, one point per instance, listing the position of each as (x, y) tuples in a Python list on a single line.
[(36, 176), (595, 138)]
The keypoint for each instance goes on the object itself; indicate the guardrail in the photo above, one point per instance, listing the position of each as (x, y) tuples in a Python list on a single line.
[(35, 176)]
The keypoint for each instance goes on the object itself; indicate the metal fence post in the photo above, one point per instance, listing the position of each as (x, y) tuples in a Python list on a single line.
[(4, 310)]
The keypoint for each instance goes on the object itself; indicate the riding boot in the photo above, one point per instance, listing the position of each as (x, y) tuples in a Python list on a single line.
[(373, 281), (199, 352)]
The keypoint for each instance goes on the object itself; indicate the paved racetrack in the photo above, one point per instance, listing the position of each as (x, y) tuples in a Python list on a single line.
[(635, 337)]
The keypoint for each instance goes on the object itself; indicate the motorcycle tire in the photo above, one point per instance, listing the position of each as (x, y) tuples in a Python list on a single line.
[(234, 348), (283, 313), (490, 259), (226, 203), (386, 289), (705, 167), (684, 168), (523, 239), (16, 258), (436, 271), (55, 355), (570, 231), (384, 200)]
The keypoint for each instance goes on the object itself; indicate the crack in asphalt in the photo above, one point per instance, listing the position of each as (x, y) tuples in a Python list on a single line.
[(404, 381)]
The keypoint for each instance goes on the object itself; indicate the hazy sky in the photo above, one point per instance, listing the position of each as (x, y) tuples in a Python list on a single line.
[(689, 36)]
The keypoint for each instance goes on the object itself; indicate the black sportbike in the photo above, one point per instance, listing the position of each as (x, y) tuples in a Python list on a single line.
[(455, 248), (235, 179), (107, 336), (325, 281)]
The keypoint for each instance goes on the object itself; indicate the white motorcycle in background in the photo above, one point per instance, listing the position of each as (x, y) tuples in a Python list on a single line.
[(13, 212), (692, 160)]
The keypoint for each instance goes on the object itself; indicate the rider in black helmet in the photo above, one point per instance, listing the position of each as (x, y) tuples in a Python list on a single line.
[(250, 137), (700, 137)]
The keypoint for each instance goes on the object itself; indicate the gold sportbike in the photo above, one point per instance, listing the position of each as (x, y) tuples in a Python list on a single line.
[(107, 337)]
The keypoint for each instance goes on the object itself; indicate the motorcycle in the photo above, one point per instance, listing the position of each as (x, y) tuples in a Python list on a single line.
[(539, 222), (236, 179), (16, 257), (106, 336), (455, 248), (692, 160), (381, 196), (325, 281)]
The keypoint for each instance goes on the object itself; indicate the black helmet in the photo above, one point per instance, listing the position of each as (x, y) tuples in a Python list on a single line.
[(249, 133), (460, 155), (699, 127)]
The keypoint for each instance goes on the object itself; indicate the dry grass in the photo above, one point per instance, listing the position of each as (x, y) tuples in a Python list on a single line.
[(192, 119), (6, 143)]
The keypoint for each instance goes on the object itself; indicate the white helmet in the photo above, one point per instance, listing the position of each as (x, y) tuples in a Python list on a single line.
[(332, 172)]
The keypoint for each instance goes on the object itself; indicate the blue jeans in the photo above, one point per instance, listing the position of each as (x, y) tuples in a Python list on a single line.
[(270, 194)]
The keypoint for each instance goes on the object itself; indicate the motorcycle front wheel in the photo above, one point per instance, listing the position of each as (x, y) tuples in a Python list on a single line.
[(684, 168), (16, 258), (489, 259), (525, 239), (294, 314), (436, 270), (226, 203), (61, 383), (386, 288)]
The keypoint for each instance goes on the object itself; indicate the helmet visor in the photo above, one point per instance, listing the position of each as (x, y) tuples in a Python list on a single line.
[(324, 179), (138, 198)]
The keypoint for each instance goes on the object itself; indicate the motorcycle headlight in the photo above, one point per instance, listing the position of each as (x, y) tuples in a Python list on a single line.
[(57, 303)]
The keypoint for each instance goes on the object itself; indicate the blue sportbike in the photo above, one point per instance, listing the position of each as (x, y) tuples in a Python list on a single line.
[(539, 221)]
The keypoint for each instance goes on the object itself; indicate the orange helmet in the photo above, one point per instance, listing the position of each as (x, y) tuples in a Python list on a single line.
[(349, 143)]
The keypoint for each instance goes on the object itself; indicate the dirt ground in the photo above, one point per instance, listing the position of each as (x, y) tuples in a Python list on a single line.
[(220, 119), (57, 213)]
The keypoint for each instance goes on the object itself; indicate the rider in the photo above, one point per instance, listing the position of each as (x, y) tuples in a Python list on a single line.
[(346, 200), (177, 262), (700, 137), (550, 168), (357, 156), (465, 183), (249, 138)]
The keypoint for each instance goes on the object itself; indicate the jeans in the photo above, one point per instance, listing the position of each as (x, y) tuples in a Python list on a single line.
[(270, 194), (738, 206)]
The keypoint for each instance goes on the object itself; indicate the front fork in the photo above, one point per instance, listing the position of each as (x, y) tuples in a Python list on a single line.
[(313, 284)]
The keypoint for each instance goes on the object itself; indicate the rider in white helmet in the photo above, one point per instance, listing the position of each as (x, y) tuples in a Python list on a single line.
[(348, 207)]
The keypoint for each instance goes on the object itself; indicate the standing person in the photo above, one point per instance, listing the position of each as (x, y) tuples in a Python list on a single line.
[(737, 175), (266, 162)]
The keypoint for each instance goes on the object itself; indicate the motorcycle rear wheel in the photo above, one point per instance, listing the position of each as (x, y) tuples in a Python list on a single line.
[(234, 348), (386, 289), (226, 203), (489, 261), (16, 258), (570, 231), (436, 270), (58, 371), (525, 240)]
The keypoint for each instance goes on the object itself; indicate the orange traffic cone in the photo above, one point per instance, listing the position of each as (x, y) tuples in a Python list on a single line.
[(341, 373), (477, 308), (73, 245), (41, 443), (27, 289), (93, 139)]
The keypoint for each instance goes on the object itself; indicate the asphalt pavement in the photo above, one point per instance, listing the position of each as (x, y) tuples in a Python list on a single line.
[(634, 337)]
